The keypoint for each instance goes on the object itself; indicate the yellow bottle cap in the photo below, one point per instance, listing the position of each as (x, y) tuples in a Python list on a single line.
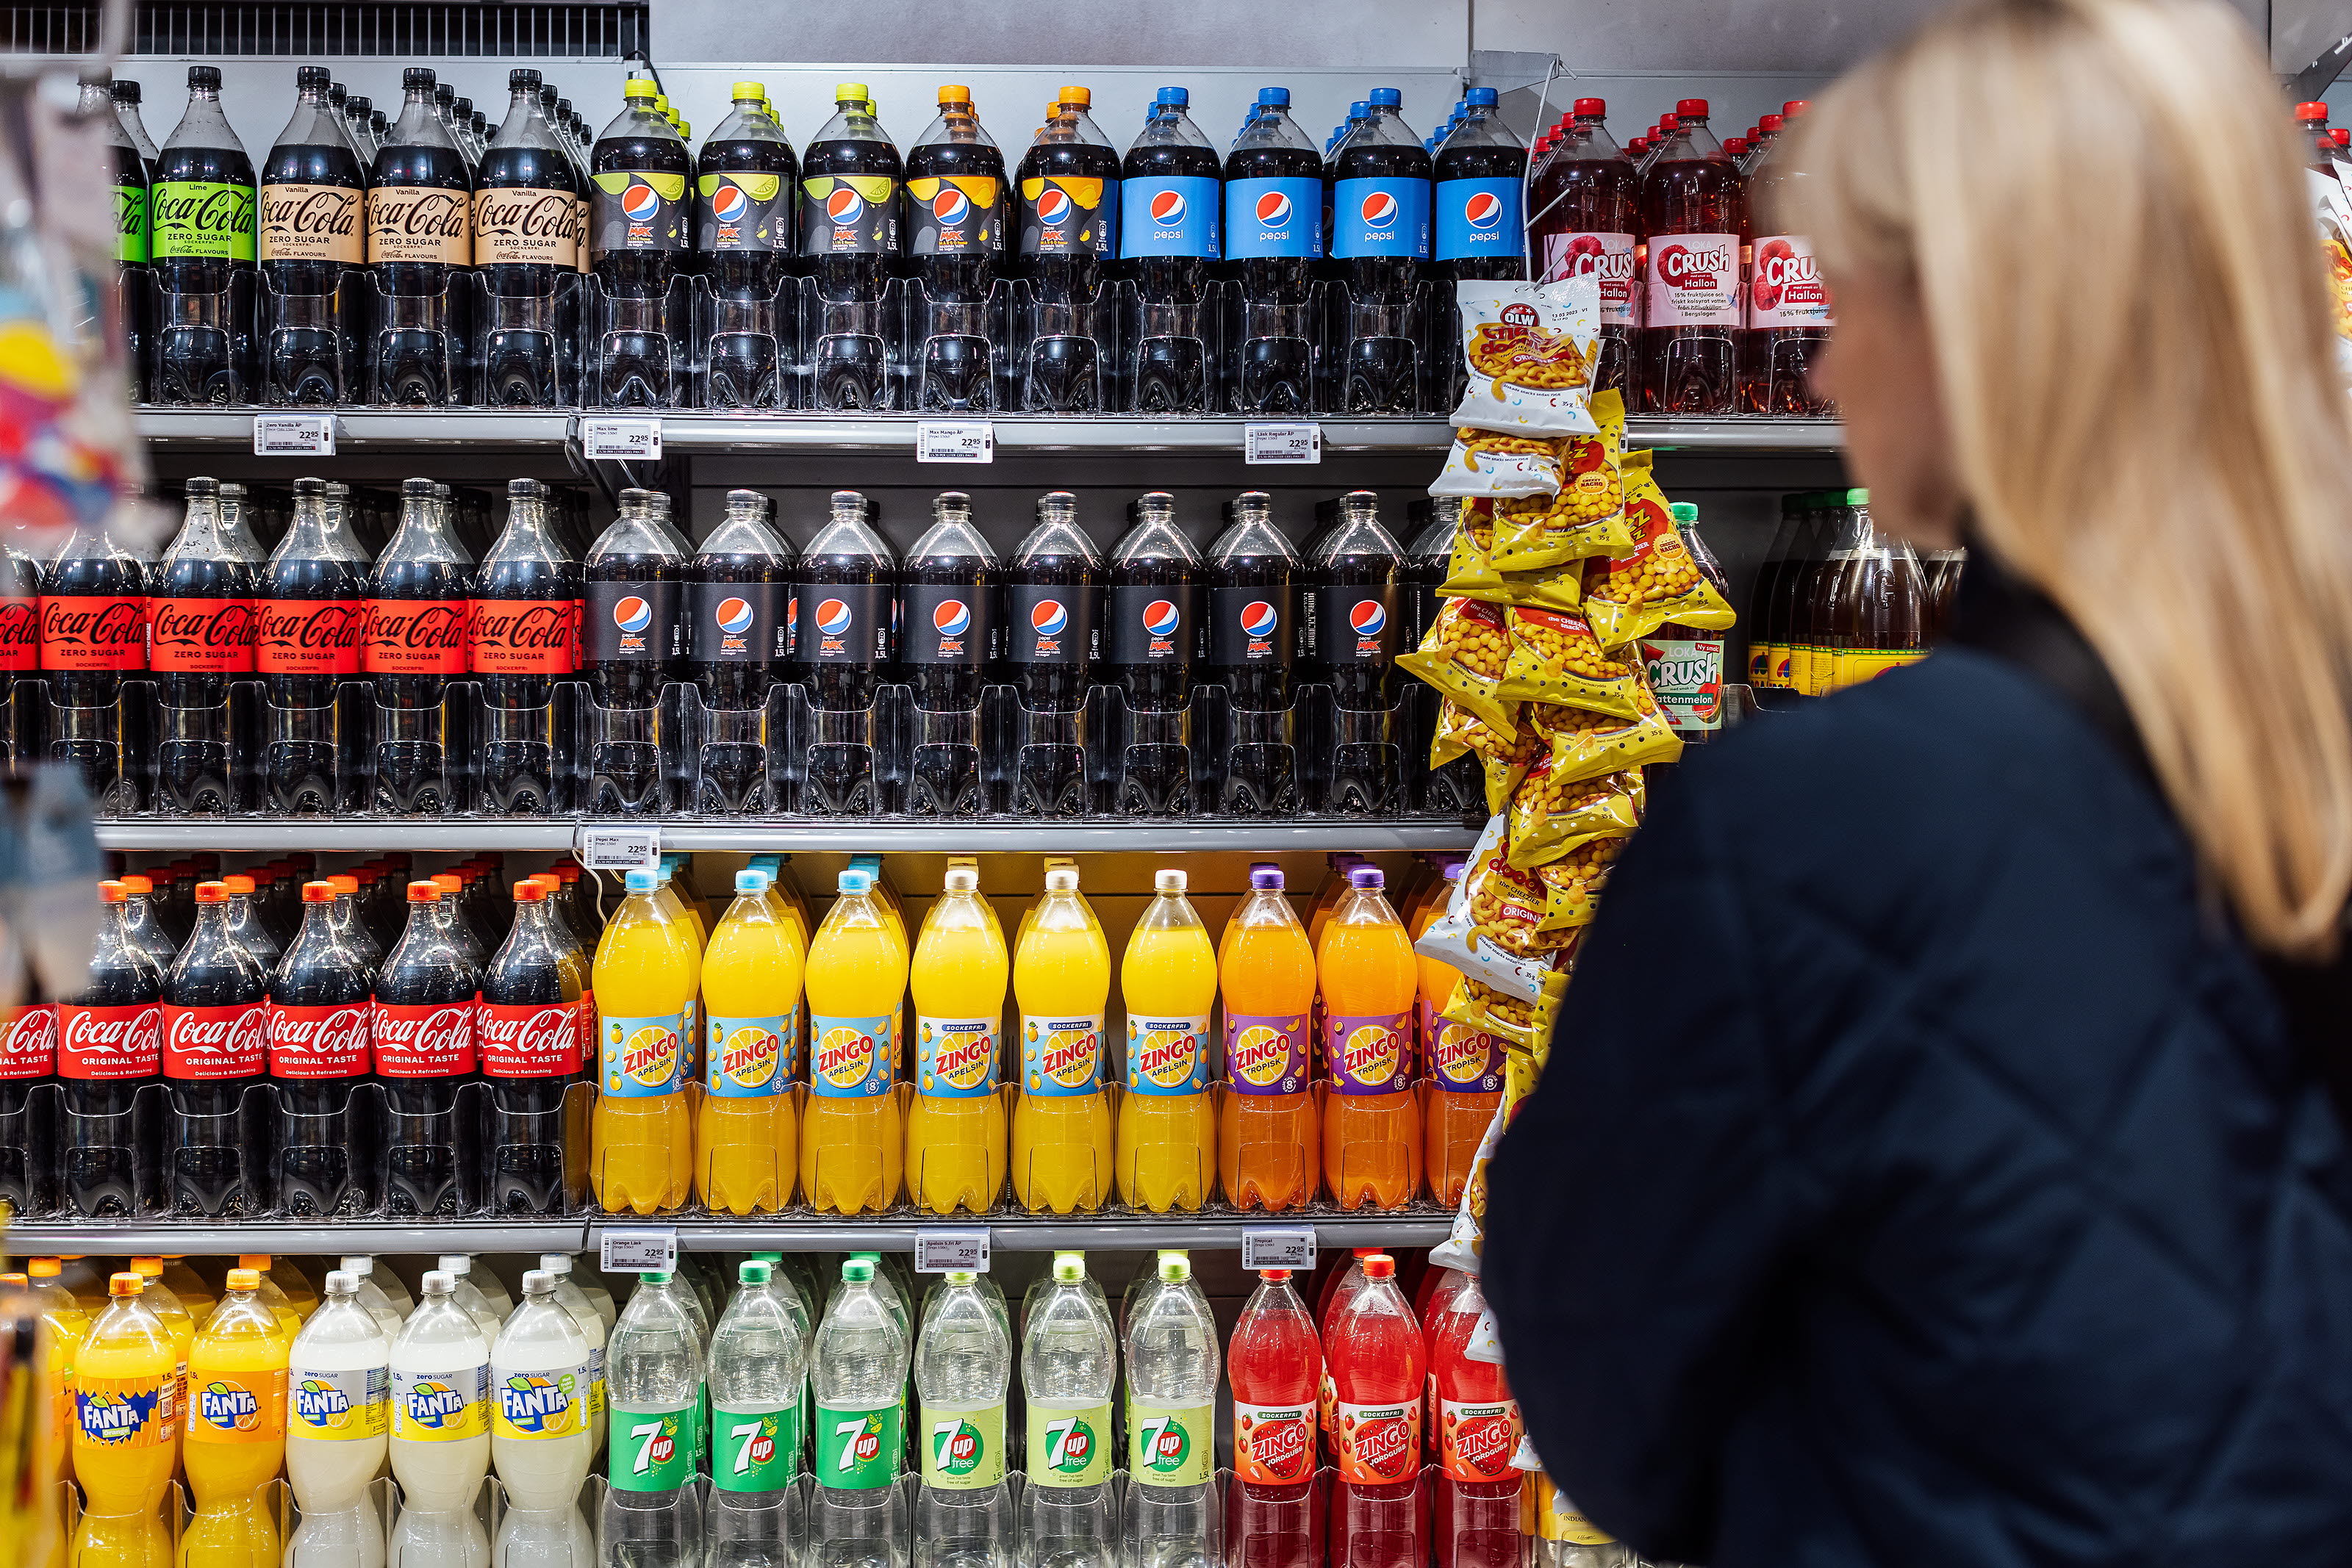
[(43, 1268), (1076, 95), (750, 89), (954, 92), (849, 92), (125, 1285), (641, 87)]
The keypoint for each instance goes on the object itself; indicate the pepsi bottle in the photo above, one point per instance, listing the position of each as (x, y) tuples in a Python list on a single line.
[(747, 184), (1152, 610), (1068, 227), (1255, 630), (216, 1028), (201, 245), (634, 571), (422, 1024), (1171, 194), (523, 636), (1053, 586), (849, 235), (1274, 201), (312, 229), (526, 214), (200, 637), (736, 647), (319, 1005), (1428, 558), (529, 1039), (955, 235), (1480, 169), (1355, 628), (843, 603), (415, 645), (640, 235), (1379, 237), (110, 1046), (949, 638)]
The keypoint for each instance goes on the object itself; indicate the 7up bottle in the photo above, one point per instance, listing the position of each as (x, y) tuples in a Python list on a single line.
[(653, 1392), (1171, 1384), (963, 1361), (857, 1518), (758, 1372), (1069, 1365)]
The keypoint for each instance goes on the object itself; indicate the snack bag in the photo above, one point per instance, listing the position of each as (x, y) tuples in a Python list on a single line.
[(1550, 817), (1585, 515), (1471, 935), (1555, 659), (1505, 758), (1585, 745), (1464, 655), (1635, 592), (1472, 576), (1507, 907), (1573, 883), (1489, 463), (1465, 1238), (1528, 349)]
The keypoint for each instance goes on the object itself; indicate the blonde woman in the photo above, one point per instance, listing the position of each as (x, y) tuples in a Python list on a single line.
[(1938, 1162)]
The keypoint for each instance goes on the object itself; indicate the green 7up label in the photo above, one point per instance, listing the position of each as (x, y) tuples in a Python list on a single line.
[(963, 1450), (860, 1449), (1069, 1447), (1168, 1445), (653, 1450), (755, 1451)]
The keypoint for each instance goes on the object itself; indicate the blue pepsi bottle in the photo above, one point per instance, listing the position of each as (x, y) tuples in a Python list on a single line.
[(1379, 237), (1171, 193), (1357, 113), (1273, 197), (1480, 167)]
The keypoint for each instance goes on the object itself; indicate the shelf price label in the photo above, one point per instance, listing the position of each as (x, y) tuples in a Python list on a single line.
[(635, 848), (1282, 443), (955, 441), (293, 436), (1290, 1247), (937, 1251), (621, 440), (636, 1251)]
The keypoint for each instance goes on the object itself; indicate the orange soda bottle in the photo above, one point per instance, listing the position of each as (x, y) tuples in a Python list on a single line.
[(1464, 1065), (1371, 1119), (1266, 1127)]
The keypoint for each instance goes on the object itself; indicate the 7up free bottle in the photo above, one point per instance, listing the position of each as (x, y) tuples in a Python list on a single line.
[(964, 1362), (1171, 1381), (1069, 1363), (857, 1517)]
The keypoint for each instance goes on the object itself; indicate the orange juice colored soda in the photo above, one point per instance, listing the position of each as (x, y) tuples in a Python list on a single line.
[(1371, 1119), (1266, 1134), (1463, 1066)]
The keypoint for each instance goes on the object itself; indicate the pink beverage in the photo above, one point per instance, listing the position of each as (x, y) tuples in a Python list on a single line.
[(1584, 221), (1478, 1431), (1275, 1362), (1340, 1287), (1375, 1353), (1695, 230), (1789, 309)]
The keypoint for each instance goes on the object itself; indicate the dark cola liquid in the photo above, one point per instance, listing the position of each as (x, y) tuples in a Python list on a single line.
[(429, 581), (737, 684), (541, 218), (102, 1140), (527, 1151), (418, 359), (637, 354), (422, 1136), (1273, 371), (746, 364), (206, 1169), (1170, 372), (852, 371), (1573, 202), (1065, 368), (1361, 681), (632, 683), (313, 202), (192, 755), (555, 582), (754, 271), (1476, 163), (846, 682), (94, 578), (949, 626), (955, 373), (309, 606), (1145, 592), (318, 1174), (1379, 370), (200, 355), (1051, 683), (1238, 585)]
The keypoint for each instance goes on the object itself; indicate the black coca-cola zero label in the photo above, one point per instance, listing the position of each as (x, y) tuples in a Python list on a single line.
[(1151, 625), (308, 636), (1358, 624), (200, 637), (1049, 626), (842, 623), (523, 636), (948, 624), (1250, 625), (628, 621), (731, 623), (93, 631), (416, 637)]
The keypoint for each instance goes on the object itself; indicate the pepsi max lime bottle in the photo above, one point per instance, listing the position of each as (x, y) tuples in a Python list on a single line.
[(746, 185), (638, 236), (1379, 237), (1068, 187), (950, 634), (849, 236), (1274, 235), (1171, 193), (955, 240)]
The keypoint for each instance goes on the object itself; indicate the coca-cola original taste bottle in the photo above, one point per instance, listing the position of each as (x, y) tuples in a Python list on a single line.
[(319, 1051), (422, 1026), (215, 1030), (530, 1040), (110, 1046)]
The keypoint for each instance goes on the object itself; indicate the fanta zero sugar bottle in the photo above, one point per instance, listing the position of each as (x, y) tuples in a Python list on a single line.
[(1463, 1066), (646, 973), (955, 1131), (1372, 1118), (338, 1433), (1275, 1365), (236, 1431), (1167, 1146), (747, 1157), (1374, 1350), (1061, 1123), (1266, 1139), (851, 1146), (126, 1434)]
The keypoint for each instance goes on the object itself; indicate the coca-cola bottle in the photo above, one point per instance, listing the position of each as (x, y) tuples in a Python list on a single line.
[(20, 648), (310, 613), (311, 230), (215, 1028), (415, 646), (110, 1046), (317, 1053), (141, 920), (246, 926), (200, 212), (453, 914), (1694, 227), (93, 607), (200, 638), (349, 922), (529, 209), (422, 1026), (532, 1053), (523, 636), (420, 241), (28, 1059)]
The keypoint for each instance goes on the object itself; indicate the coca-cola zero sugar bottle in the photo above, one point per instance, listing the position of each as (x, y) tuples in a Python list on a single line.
[(417, 598), (309, 614), (523, 636), (200, 632)]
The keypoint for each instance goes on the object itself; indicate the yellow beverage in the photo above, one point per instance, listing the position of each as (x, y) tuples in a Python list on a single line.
[(955, 1132), (126, 1434), (165, 1304), (646, 971), (64, 1326), (189, 1286), (88, 1284), (300, 1293), (851, 1146), (744, 1137), (235, 1429), (1061, 1123), (1167, 1149), (273, 1295)]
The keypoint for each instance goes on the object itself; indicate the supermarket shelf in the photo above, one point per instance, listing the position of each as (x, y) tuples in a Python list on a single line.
[(360, 427), (125, 1238), (363, 835)]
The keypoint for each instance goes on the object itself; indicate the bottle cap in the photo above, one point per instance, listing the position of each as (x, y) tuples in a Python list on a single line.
[(753, 1272), (1736, 147), (1265, 877), (1793, 108), (260, 1260), (1770, 124), (538, 1282), (641, 881), (2312, 111), (450, 882), (345, 884), (244, 1278), (1172, 95), (1379, 1266), (112, 892), (1683, 511), (854, 881), (342, 1282), (1168, 881), (1274, 1276), (655, 1277), (424, 892), (751, 882), (1690, 108), (1368, 877), (1857, 498), (360, 1266), (1592, 105), (1174, 1268), (857, 1272), (124, 1284), (1278, 97), (415, 79), (1385, 97), (1076, 95), (1481, 98), (641, 87), (961, 879), (1069, 1267), (954, 92), (849, 92), (751, 89), (556, 1263), (530, 890), (456, 1263), (437, 1283), (43, 1268), (960, 1277), (212, 893)]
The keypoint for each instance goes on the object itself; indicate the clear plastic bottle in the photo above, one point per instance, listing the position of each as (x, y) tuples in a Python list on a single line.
[(1277, 1370), (376, 1294), (471, 1296), (857, 1516), (541, 1440), (963, 1363), (594, 1327), (653, 1381), (338, 1429), (758, 1373), (1172, 1444), (1069, 1366), (440, 1427)]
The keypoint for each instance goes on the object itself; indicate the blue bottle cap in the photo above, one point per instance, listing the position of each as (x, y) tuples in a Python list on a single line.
[(1387, 97), (750, 881), (854, 882), (1172, 95), (1279, 97), (1482, 98), (1357, 110), (641, 881)]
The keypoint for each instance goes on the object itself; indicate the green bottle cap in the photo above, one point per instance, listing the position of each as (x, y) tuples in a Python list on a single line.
[(751, 1273), (857, 1272)]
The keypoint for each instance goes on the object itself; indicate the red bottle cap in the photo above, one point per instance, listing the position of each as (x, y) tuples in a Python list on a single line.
[(1690, 108), (529, 892), (424, 892), (112, 891), (212, 893), (547, 881), (2313, 112), (1793, 108), (1736, 147), (1379, 1266), (1770, 124), (1590, 106), (318, 892), (1274, 1276)]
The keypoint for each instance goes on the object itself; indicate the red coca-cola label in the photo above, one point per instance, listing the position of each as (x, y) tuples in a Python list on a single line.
[(28, 1045), (416, 637), (528, 1039), (308, 636), (20, 634), (319, 1042), (99, 1044), (93, 631), (200, 637), (431, 1040), (207, 1043), (523, 636)]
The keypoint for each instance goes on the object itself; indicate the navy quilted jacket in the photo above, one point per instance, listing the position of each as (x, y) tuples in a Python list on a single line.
[(1924, 1174)]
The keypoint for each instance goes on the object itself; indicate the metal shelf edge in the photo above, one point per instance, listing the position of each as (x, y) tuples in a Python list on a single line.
[(146, 1235), (358, 835)]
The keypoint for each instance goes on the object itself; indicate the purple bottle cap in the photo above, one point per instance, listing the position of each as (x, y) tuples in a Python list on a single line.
[(1265, 877), (1365, 876)]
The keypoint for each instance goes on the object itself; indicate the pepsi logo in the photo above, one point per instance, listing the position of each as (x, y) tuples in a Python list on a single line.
[(639, 203), (832, 617), (728, 204), (1049, 618), (631, 614), (735, 615), (1055, 205), (845, 207), (951, 618), (1380, 210), (950, 206), (1168, 208), (1368, 618), (1161, 618), (1484, 210), (1274, 210), (1258, 618)]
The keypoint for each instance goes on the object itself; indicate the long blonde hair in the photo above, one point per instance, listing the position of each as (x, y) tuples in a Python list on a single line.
[(2102, 206)]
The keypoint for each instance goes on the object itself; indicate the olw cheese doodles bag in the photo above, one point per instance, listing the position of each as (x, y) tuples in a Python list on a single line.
[(1471, 573), (1489, 931), (1554, 659), (1635, 592), (1464, 655), (1583, 515), (1528, 350), (1573, 883), (1586, 744), (1503, 757), (1550, 817)]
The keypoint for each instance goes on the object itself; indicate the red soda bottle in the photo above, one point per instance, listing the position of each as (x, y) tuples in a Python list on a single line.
[(1695, 227), (1276, 1365), (1375, 1353), (1789, 311), (1585, 221), (1478, 1431)]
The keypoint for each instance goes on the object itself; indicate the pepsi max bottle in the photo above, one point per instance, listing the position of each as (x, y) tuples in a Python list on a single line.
[(640, 237), (319, 1005), (312, 228), (1152, 610), (422, 1024), (1171, 195), (420, 214), (1068, 203), (1255, 628), (955, 238), (1052, 590), (527, 238), (1274, 235), (1379, 237), (1356, 630), (950, 636), (849, 236), (215, 1032), (200, 240), (843, 603), (736, 631)]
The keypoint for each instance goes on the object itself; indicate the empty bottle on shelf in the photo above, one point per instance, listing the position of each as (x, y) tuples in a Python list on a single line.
[(857, 1516), (963, 1365)]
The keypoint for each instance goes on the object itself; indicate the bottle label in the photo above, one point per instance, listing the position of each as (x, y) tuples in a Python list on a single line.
[(130, 223), (1169, 214), (1687, 680), (205, 1044), (735, 622), (28, 1043), (1069, 1447), (1476, 1438), (1266, 1054), (1377, 1444), (523, 636), (636, 211), (415, 637), (1167, 1055), (630, 621), (1250, 626), (653, 1450), (742, 212), (853, 1058), (518, 226), (963, 1450), (200, 637), (1609, 257), (1357, 625), (955, 215), (528, 1040), (237, 1407), (313, 223), (1761, 664), (1061, 1056), (1694, 280), (308, 636), (859, 1449), (199, 220), (746, 1058), (1853, 666), (342, 1404), (1387, 215), (755, 1451), (955, 1058), (1152, 625), (1067, 216), (538, 1406), (949, 623), (1049, 626), (20, 634), (1281, 216), (314, 1042), (126, 1412), (428, 224), (93, 631), (1369, 1053), (1274, 1444), (841, 622), (849, 214), (427, 1040), (1478, 219), (100, 1045), (639, 1057), (1170, 1445), (1786, 288), (1460, 1058), (440, 1407)]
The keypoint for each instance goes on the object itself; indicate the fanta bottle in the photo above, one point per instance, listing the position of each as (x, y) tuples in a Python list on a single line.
[(1371, 1120), (1061, 1123), (273, 1295), (87, 1284), (1478, 1431), (1275, 1363), (647, 968), (165, 1304), (1266, 1139), (1374, 1353), (64, 1326), (236, 1432), (126, 1434), (1463, 1066), (851, 1146), (193, 1290), (955, 1132), (1167, 1150), (746, 1153)]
